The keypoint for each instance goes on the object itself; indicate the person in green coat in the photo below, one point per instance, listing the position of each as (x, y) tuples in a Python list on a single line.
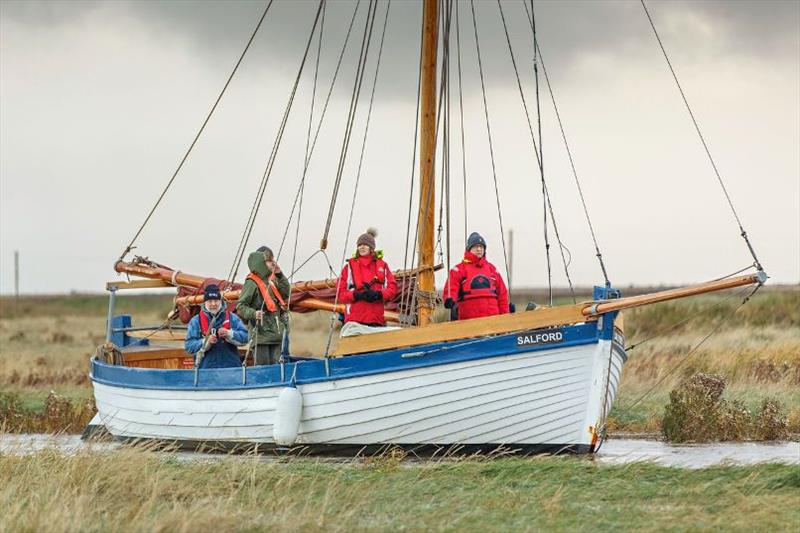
[(263, 306)]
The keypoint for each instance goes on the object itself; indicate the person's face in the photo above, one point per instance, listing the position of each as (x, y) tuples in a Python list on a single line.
[(364, 249), (478, 250), (212, 306)]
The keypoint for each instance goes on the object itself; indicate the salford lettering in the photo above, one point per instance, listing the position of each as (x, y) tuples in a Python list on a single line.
[(540, 337)]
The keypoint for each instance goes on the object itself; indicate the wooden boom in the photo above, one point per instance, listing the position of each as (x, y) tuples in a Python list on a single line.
[(166, 277), (540, 318)]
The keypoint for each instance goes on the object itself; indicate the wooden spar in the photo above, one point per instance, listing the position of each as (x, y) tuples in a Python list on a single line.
[(427, 149), (540, 318), (162, 277), (683, 292), (173, 277), (191, 280)]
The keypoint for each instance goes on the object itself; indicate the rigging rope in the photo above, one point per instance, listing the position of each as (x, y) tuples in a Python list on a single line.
[(569, 155), (273, 154), (461, 114), (743, 233), (359, 78), (366, 131), (694, 348), (549, 205), (199, 132), (489, 134), (693, 316), (403, 302), (358, 173), (445, 23), (306, 157), (319, 126), (541, 156)]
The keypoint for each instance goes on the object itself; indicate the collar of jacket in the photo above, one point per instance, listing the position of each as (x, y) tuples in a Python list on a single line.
[(377, 254), (469, 257)]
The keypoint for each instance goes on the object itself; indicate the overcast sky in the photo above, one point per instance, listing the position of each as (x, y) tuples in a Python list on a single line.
[(99, 100)]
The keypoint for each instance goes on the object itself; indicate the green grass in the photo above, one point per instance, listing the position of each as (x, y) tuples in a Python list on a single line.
[(143, 491)]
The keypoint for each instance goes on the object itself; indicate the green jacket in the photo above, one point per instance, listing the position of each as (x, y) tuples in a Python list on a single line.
[(250, 300)]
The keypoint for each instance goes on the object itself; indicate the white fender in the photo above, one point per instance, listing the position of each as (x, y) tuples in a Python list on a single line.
[(287, 416)]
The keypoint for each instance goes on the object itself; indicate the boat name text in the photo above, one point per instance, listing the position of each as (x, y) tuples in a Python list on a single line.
[(540, 337)]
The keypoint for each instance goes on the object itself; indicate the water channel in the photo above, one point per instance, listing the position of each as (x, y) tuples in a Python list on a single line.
[(613, 451)]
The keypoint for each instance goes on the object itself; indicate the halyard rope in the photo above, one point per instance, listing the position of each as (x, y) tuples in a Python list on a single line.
[(199, 132)]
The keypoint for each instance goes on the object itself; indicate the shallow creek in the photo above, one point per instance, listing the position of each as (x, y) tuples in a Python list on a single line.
[(613, 451)]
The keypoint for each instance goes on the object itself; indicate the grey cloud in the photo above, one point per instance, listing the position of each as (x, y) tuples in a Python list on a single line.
[(568, 29)]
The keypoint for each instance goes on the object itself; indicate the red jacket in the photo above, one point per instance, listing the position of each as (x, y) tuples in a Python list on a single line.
[(477, 287), (358, 271)]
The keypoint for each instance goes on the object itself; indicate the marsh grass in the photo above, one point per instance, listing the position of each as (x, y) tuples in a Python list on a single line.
[(57, 415), (697, 412), (137, 490)]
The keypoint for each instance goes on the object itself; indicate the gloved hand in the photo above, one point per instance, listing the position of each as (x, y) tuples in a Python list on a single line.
[(360, 295), (373, 296), (449, 303)]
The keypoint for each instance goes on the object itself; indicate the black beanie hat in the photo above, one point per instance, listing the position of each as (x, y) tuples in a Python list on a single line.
[(211, 292), (474, 239)]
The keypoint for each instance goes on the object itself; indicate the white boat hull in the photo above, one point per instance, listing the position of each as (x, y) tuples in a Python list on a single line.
[(541, 398)]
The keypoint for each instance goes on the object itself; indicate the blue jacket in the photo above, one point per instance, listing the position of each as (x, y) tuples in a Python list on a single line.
[(195, 337)]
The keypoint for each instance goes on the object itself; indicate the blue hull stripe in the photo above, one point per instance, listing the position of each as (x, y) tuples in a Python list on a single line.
[(313, 371)]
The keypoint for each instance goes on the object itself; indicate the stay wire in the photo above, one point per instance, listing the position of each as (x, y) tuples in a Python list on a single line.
[(359, 78), (489, 135), (319, 126), (199, 132), (445, 22), (444, 206), (360, 163), (461, 115), (366, 131), (569, 155), (549, 205), (306, 159), (307, 156), (743, 233), (273, 154), (541, 156), (403, 302), (693, 349), (684, 321)]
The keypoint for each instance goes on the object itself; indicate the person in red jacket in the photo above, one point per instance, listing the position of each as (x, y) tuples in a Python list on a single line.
[(366, 282), (474, 287)]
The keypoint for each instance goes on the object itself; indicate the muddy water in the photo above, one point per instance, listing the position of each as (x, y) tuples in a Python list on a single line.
[(613, 451)]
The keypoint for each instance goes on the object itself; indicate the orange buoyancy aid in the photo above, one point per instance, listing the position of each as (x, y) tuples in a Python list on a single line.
[(204, 321), (265, 289)]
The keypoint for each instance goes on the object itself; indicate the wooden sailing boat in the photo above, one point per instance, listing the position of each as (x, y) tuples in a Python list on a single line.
[(541, 380)]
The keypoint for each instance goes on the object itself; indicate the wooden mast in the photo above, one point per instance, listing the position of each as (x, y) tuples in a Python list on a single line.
[(427, 150)]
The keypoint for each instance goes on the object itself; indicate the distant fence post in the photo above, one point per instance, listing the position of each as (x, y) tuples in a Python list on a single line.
[(16, 275), (510, 257)]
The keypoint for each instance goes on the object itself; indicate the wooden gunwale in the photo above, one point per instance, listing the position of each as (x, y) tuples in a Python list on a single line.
[(540, 318)]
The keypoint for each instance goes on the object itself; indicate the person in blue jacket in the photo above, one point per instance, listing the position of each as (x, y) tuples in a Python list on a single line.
[(216, 332)]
